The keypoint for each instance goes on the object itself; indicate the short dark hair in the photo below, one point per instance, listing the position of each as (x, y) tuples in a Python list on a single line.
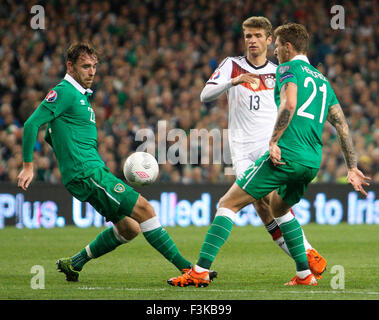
[(259, 23), (76, 49), (294, 33)]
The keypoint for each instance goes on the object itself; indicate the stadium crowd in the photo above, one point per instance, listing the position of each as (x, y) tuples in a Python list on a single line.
[(156, 56)]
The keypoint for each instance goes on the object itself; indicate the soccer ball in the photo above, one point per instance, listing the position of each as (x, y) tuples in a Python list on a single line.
[(141, 169)]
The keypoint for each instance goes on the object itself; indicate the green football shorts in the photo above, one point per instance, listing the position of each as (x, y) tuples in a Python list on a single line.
[(110, 196), (290, 180)]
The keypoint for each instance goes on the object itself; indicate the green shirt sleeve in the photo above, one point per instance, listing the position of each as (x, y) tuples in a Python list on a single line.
[(39, 117), (333, 99), (58, 100), (285, 73)]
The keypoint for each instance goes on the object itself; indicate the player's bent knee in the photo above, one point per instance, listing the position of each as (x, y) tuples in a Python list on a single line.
[(262, 206), (128, 229), (225, 212), (224, 202), (120, 236), (235, 199), (263, 210), (142, 210)]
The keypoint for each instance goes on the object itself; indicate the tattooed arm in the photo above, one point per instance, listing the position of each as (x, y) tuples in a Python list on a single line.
[(337, 118), (287, 107)]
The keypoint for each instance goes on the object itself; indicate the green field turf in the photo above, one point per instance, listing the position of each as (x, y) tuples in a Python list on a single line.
[(250, 265)]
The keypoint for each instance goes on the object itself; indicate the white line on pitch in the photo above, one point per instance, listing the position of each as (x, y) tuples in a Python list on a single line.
[(234, 290)]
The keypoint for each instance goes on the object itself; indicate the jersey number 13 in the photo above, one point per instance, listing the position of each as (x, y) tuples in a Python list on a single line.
[(254, 102)]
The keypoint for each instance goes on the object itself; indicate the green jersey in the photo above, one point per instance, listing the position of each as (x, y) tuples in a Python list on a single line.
[(301, 141), (71, 130)]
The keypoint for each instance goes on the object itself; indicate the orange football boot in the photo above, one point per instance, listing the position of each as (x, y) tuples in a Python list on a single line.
[(309, 280), (191, 278), (317, 264)]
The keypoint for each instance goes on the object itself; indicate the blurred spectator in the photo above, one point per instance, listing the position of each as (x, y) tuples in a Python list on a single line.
[(375, 165), (156, 57)]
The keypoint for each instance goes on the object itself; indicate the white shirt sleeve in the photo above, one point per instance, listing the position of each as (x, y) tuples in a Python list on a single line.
[(219, 82), (213, 91)]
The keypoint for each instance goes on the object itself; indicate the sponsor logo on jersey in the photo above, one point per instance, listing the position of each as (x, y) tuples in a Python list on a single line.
[(119, 188), (51, 96), (215, 75), (286, 77), (283, 69)]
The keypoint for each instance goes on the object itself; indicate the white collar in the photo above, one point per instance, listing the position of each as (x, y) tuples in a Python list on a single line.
[(76, 84), (300, 57)]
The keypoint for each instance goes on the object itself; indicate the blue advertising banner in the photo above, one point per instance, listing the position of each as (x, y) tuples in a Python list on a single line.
[(49, 206)]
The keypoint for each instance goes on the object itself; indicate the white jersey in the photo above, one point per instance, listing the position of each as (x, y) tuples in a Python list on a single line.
[(252, 108)]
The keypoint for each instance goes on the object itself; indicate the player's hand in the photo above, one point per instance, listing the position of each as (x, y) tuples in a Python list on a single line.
[(245, 77), (276, 155), (357, 179), (25, 177)]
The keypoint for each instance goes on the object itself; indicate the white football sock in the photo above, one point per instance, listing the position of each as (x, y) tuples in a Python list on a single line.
[(303, 274)]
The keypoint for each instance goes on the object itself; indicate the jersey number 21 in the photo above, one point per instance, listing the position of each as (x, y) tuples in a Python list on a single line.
[(301, 111)]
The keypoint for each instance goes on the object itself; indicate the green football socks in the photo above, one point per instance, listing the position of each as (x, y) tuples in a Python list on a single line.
[(216, 236), (80, 259), (160, 240), (293, 235), (105, 242)]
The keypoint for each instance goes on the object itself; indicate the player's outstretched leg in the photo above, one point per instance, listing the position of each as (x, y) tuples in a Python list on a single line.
[(106, 241), (317, 263), (262, 207), (65, 265), (160, 240), (156, 235), (218, 233), (293, 236)]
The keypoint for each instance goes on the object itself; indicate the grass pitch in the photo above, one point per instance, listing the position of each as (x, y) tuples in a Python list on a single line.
[(250, 266)]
